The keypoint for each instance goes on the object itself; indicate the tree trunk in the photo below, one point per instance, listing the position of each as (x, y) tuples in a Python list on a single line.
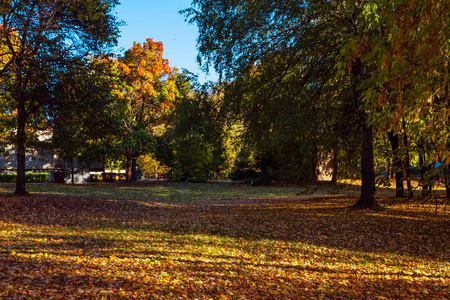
[(129, 173), (335, 167), (447, 181), (407, 162), (133, 169), (397, 164), (368, 190), (21, 149), (73, 171), (423, 170)]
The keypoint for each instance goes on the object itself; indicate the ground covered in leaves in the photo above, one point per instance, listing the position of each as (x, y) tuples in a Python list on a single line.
[(218, 241)]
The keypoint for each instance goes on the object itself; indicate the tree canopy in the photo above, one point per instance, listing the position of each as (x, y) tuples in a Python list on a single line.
[(384, 64), (306, 40), (149, 91), (39, 41)]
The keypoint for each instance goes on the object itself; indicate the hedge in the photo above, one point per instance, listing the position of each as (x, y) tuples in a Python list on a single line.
[(29, 177)]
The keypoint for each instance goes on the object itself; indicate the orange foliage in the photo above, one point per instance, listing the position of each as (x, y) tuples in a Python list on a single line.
[(148, 78)]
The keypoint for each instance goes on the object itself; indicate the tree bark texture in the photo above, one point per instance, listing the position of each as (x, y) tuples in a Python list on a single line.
[(368, 189), (133, 169), (426, 188), (21, 149), (407, 162), (397, 164), (129, 168)]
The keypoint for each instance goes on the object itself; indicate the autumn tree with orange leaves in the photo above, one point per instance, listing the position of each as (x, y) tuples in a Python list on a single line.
[(149, 91)]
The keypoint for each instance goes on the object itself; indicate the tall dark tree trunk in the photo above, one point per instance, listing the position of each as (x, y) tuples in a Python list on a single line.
[(131, 168), (72, 171), (423, 170), (422, 167), (407, 162), (21, 148), (359, 74), (129, 173), (447, 181), (397, 164), (368, 189)]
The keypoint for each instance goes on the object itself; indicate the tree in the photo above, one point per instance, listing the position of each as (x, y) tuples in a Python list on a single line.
[(193, 145), (314, 36), (397, 164), (41, 39), (150, 91), (295, 123), (410, 84), (87, 116)]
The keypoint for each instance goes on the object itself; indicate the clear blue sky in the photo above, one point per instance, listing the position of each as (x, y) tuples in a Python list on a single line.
[(160, 20)]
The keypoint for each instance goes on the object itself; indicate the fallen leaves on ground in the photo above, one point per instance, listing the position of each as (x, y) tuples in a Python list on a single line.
[(248, 247)]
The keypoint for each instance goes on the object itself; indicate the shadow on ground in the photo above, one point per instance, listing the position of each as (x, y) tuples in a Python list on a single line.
[(293, 247)]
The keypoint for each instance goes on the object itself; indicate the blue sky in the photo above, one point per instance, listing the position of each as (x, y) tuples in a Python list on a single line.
[(160, 20)]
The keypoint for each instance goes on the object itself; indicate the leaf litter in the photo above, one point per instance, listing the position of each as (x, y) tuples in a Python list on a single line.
[(245, 247)]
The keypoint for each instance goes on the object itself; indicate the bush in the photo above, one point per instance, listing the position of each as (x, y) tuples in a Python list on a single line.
[(190, 158), (7, 177), (29, 177)]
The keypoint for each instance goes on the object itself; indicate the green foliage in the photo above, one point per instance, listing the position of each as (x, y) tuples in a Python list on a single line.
[(150, 166), (148, 91), (136, 142), (191, 158), (252, 170), (87, 115), (114, 164), (283, 84), (193, 147), (30, 177), (41, 42)]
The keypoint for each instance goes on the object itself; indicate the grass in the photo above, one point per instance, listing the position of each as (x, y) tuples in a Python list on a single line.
[(219, 241)]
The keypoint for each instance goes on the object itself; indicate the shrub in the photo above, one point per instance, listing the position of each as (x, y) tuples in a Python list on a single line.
[(29, 177)]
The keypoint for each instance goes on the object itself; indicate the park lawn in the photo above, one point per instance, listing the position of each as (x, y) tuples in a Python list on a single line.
[(218, 241)]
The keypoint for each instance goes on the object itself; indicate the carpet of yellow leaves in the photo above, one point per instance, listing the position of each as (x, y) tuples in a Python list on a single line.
[(293, 247)]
